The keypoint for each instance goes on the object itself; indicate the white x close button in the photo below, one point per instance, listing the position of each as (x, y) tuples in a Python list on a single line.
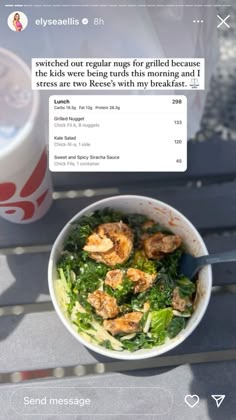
[(223, 21)]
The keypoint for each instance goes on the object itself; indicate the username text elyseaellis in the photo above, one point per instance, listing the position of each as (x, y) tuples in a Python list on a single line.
[(70, 21)]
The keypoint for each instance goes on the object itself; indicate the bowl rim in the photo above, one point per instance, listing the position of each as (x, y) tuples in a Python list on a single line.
[(123, 355)]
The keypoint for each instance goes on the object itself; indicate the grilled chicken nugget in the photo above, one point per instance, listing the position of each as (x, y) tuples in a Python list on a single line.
[(142, 281), (159, 243), (104, 304), (121, 237), (128, 323), (97, 243), (178, 303), (114, 278)]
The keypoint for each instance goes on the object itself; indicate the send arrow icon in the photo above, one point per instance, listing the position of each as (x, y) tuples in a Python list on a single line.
[(218, 399)]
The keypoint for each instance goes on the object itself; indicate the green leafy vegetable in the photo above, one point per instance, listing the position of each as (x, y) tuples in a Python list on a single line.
[(168, 267), (176, 325), (160, 320), (144, 341), (135, 221), (141, 262), (155, 228), (70, 260), (90, 278), (125, 308), (83, 321), (159, 297), (122, 292), (136, 343), (186, 287)]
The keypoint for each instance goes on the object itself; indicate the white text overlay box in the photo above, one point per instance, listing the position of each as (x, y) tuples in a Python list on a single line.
[(106, 133)]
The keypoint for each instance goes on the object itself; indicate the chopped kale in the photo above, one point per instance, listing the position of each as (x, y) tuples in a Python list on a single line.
[(176, 325), (141, 262)]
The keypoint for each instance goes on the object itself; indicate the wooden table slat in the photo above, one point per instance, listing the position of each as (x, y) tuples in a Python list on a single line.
[(212, 207)]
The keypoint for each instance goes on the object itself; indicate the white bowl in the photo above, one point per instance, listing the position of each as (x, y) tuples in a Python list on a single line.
[(168, 217)]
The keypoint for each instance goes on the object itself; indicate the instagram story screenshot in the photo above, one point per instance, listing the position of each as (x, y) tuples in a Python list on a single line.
[(117, 209)]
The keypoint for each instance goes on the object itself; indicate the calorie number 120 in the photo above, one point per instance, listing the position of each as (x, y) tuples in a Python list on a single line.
[(178, 141)]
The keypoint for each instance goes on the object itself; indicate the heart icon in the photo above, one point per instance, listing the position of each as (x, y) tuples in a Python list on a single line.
[(191, 400)]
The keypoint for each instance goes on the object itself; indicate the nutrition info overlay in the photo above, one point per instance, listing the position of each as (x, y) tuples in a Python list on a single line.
[(116, 133)]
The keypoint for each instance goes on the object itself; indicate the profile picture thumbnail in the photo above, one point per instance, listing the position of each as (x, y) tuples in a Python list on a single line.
[(17, 21)]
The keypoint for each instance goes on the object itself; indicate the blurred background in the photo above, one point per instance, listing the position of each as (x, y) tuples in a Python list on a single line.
[(220, 110), (154, 32)]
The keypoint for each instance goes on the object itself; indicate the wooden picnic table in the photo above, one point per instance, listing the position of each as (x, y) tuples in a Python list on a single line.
[(33, 338)]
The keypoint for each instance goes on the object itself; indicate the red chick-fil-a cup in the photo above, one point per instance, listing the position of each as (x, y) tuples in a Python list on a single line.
[(25, 181)]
